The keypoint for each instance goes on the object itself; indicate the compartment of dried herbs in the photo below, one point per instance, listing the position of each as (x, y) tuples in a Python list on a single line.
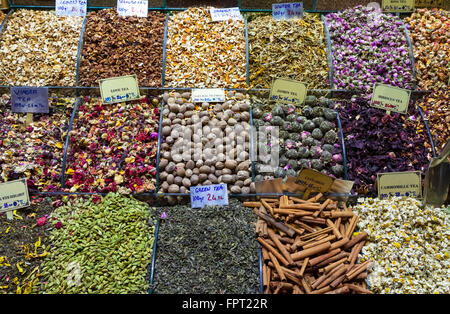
[(429, 32), (205, 143), (376, 142), (34, 151), (104, 246), (409, 244), (308, 137), (113, 147), (39, 48), (436, 107), (369, 47), (209, 250), (202, 53), (24, 245), (267, 4), (337, 5), (106, 49), (292, 49)]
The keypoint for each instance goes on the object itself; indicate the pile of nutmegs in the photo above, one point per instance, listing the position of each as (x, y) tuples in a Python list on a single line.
[(205, 143), (309, 246)]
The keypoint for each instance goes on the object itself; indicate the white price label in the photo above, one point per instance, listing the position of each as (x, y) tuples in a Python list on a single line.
[(209, 195), (137, 8), (208, 95), (225, 14), (71, 7)]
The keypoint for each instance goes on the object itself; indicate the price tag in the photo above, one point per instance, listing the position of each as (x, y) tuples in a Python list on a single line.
[(137, 8), (119, 89), (14, 195), (209, 195), (71, 7), (29, 99), (408, 183), (397, 5), (287, 11), (390, 98), (288, 91), (225, 14), (208, 95), (314, 180)]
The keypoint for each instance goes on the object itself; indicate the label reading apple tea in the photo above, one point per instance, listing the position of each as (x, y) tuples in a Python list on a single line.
[(119, 89)]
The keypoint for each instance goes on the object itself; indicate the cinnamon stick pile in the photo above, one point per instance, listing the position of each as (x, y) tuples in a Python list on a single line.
[(308, 246)]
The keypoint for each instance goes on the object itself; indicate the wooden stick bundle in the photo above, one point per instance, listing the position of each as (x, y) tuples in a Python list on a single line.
[(309, 246)]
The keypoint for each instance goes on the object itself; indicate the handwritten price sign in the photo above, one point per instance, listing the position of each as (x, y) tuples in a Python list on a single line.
[(137, 8), (287, 11), (29, 99), (209, 195), (71, 7)]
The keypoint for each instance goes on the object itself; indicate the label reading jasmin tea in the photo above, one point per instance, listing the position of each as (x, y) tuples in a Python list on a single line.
[(390, 98), (314, 180), (29, 99), (288, 91), (408, 183), (14, 195), (225, 14), (119, 89), (286, 11), (71, 7), (137, 8), (209, 195), (208, 95), (397, 5)]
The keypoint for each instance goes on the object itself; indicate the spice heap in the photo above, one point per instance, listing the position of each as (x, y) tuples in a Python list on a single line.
[(203, 53), (436, 108), (113, 147), (212, 250), (337, 5), (107, 41), (103, 246), (39, 48), (308, 138), (24, 245), (36, 150), (429, 31), (369, 47), (267, 4), (408, 243), (206, 143), (309, 246), (377, 142), (292, 49)]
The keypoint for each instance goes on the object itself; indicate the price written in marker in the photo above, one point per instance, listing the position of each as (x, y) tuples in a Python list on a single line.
[(71, 7), (119, 89), (287, 11), (288, 91), (29, 99), (397, 5), (225, 14), (137, 8), (390, 98), (209, 195)]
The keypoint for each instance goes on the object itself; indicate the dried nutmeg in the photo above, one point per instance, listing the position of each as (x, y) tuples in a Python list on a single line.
[(117, 46)]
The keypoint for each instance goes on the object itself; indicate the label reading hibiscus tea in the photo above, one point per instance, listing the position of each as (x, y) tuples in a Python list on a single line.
[(390, 98)]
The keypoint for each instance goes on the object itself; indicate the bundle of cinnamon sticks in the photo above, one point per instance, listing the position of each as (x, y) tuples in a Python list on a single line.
[(309, 246)]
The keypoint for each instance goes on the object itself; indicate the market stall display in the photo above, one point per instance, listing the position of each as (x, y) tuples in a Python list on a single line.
[(106, 47), (369, 47), (436, 108), (36, 150), (292, 49), (338, 5), (409, 244), (212, 250), (308, 137), (112, 147), (378, 142), (309, 246), (205, 143), (267, 4), (39, 48), (201, 53), (24, 245), (102, 246), (429, 31)]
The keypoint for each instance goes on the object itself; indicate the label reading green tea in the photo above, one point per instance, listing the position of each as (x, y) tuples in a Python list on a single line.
[(390, 98), (397, 5), (119, 89), (288, 91), (14, 195), (408, 183), (314, 180)]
